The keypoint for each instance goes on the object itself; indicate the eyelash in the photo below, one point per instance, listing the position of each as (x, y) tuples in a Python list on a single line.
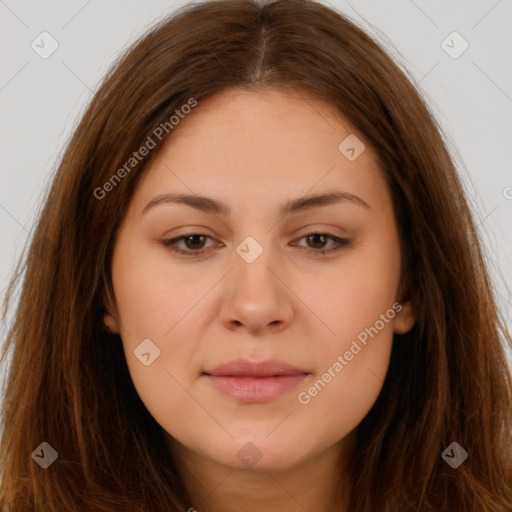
[(340, 243)]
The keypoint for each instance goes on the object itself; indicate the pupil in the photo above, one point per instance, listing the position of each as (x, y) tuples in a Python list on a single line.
[(318, 235), (194, 237)]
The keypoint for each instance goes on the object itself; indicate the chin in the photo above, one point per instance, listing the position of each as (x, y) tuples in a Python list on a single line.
[(260, 454)]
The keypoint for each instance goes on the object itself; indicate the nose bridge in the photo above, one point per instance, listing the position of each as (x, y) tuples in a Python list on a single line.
[(255, 296), (253, 260)]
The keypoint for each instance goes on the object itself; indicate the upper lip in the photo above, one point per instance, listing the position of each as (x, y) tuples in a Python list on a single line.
[(245, 368)]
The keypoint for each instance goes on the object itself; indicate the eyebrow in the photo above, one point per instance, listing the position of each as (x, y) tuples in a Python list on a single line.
[(209, 205)]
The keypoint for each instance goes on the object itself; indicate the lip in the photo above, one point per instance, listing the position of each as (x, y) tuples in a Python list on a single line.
[(252, 382)]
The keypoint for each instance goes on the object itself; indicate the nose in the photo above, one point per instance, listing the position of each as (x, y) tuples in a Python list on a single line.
[(256, 298)]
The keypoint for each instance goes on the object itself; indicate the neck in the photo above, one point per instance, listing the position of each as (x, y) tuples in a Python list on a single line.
[(321, 483)]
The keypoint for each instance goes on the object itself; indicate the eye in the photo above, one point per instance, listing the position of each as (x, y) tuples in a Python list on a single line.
[(194, 243), (322, 238)]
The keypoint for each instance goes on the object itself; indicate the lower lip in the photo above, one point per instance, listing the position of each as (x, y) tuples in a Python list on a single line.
[(256, 389)]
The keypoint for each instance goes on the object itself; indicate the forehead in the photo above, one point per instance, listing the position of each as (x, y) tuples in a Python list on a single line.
[(269, 120), (245, 145)]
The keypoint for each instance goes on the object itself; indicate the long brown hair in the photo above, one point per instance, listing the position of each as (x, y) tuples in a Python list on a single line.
[(68, 383)]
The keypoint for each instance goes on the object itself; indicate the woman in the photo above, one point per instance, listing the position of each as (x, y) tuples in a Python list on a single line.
[(258, 370)]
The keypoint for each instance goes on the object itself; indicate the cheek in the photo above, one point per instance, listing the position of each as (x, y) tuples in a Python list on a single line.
[(353, 295), (152, 294), (158, 347), (149, 306), (336, 401), (359, 308), (353, 366)]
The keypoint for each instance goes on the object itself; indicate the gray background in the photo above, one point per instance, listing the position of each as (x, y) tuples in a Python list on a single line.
[(471, 96)]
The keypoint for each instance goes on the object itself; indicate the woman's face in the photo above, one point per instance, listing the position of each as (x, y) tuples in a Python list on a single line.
[(253, 285)]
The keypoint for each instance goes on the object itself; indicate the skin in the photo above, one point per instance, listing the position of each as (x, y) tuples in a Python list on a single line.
[(254, 151)]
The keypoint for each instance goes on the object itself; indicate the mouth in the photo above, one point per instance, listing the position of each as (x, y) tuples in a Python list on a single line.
[(250, 382)]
